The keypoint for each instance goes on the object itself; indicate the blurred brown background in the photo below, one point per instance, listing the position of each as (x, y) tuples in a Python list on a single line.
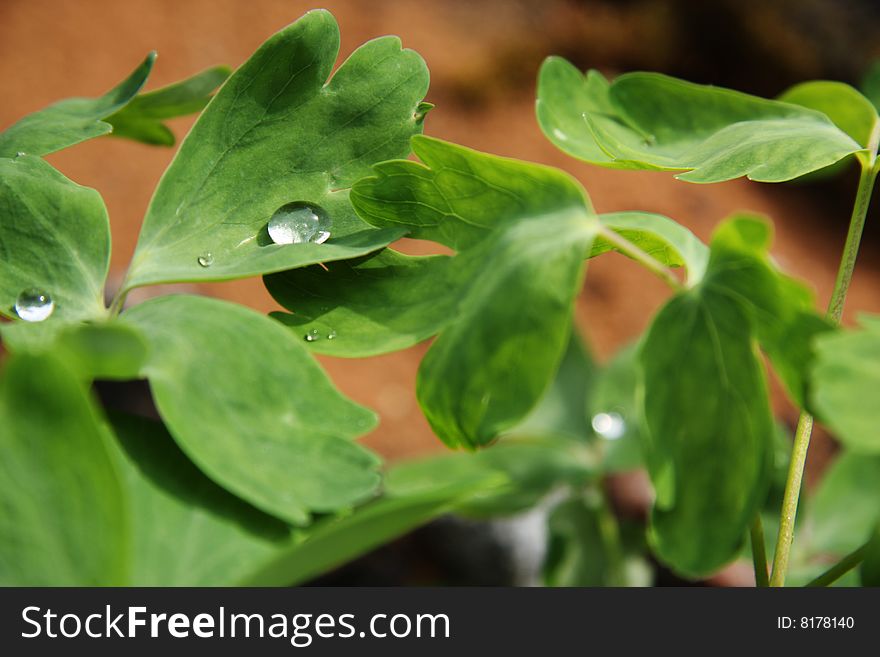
[(484, 57)]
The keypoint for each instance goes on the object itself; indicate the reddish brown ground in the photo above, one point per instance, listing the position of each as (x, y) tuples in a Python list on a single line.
[(483, 59)]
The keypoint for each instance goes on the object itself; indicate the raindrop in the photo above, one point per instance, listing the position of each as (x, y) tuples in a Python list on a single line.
[(34, 305), (610, 426), (206, 259), (331, 335), (312, 335), (20, 154), (297, 223)]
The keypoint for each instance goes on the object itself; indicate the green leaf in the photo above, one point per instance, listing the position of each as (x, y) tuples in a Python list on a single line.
[(586, 548), (523, 231), (246, 402), (870, 570), (522, 470), (614, 400), (871, 84), (562, 412), (850, 110), (103, 350), (844, 508), (71, 121), (63, 519), (54, 239), (652, 121), (331, 542), (782, 309), (375, 304), (658, 236), (710, 428), (277, 132), (187, 531), (142, 118), (845, 379)]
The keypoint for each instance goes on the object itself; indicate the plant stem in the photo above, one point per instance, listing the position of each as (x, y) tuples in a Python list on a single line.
[(835, 311), (626, 247), (759, 552), (841, 568)]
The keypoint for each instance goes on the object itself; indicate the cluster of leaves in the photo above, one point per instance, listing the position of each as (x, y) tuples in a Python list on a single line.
[(254, 475)]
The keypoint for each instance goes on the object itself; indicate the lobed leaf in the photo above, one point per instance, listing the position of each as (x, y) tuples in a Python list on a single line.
[(142, 118), (655, 122), (248, 404), (72, 121), (54, 239), (845, 378), (846, 107), (278, 132), (63, 520)]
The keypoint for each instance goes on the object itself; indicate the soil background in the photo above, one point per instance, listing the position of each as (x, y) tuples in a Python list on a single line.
[(484, 57)]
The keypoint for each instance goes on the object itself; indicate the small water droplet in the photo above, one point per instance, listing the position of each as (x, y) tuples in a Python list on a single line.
[(331, 335), (298, 223), (610, 426), (20, 154), (561, 136), (34, 305), (206, 259), (312, 335)]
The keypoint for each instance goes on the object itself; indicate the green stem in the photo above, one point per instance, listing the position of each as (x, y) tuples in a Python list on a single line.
[(835, 311), (841, 568), (626, 247), (759, 552)]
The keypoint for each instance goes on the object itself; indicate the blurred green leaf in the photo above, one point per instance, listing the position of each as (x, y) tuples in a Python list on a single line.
[(614, 402), (54, 239), (187, 531), (652, 121), (101, 350), (658, 236), (248, 404), (710, 429), (782, 309), (278, 132), (844, 507), (523, 471), (71, 121), (333, 541), (562, 411), (63, 520), (870, 570), (524, 231), (142, 118), (845, 380)]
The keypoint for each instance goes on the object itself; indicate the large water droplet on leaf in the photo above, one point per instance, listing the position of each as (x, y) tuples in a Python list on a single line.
[(34, 305), (298, 223), (610, 426), (312, 335), (206, 259)]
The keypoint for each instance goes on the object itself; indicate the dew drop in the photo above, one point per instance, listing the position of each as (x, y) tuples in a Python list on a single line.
[(206, 259), (20, 154), (312, 335), (34, 305), (298, 223), (331, 335), (610, 426)]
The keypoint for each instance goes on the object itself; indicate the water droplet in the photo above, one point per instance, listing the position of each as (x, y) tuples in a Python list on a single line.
[(34, 305), (206, 259), (312, 335), (331, 335), (20, 154), (297, 223), (610, 426), (561, 136)]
